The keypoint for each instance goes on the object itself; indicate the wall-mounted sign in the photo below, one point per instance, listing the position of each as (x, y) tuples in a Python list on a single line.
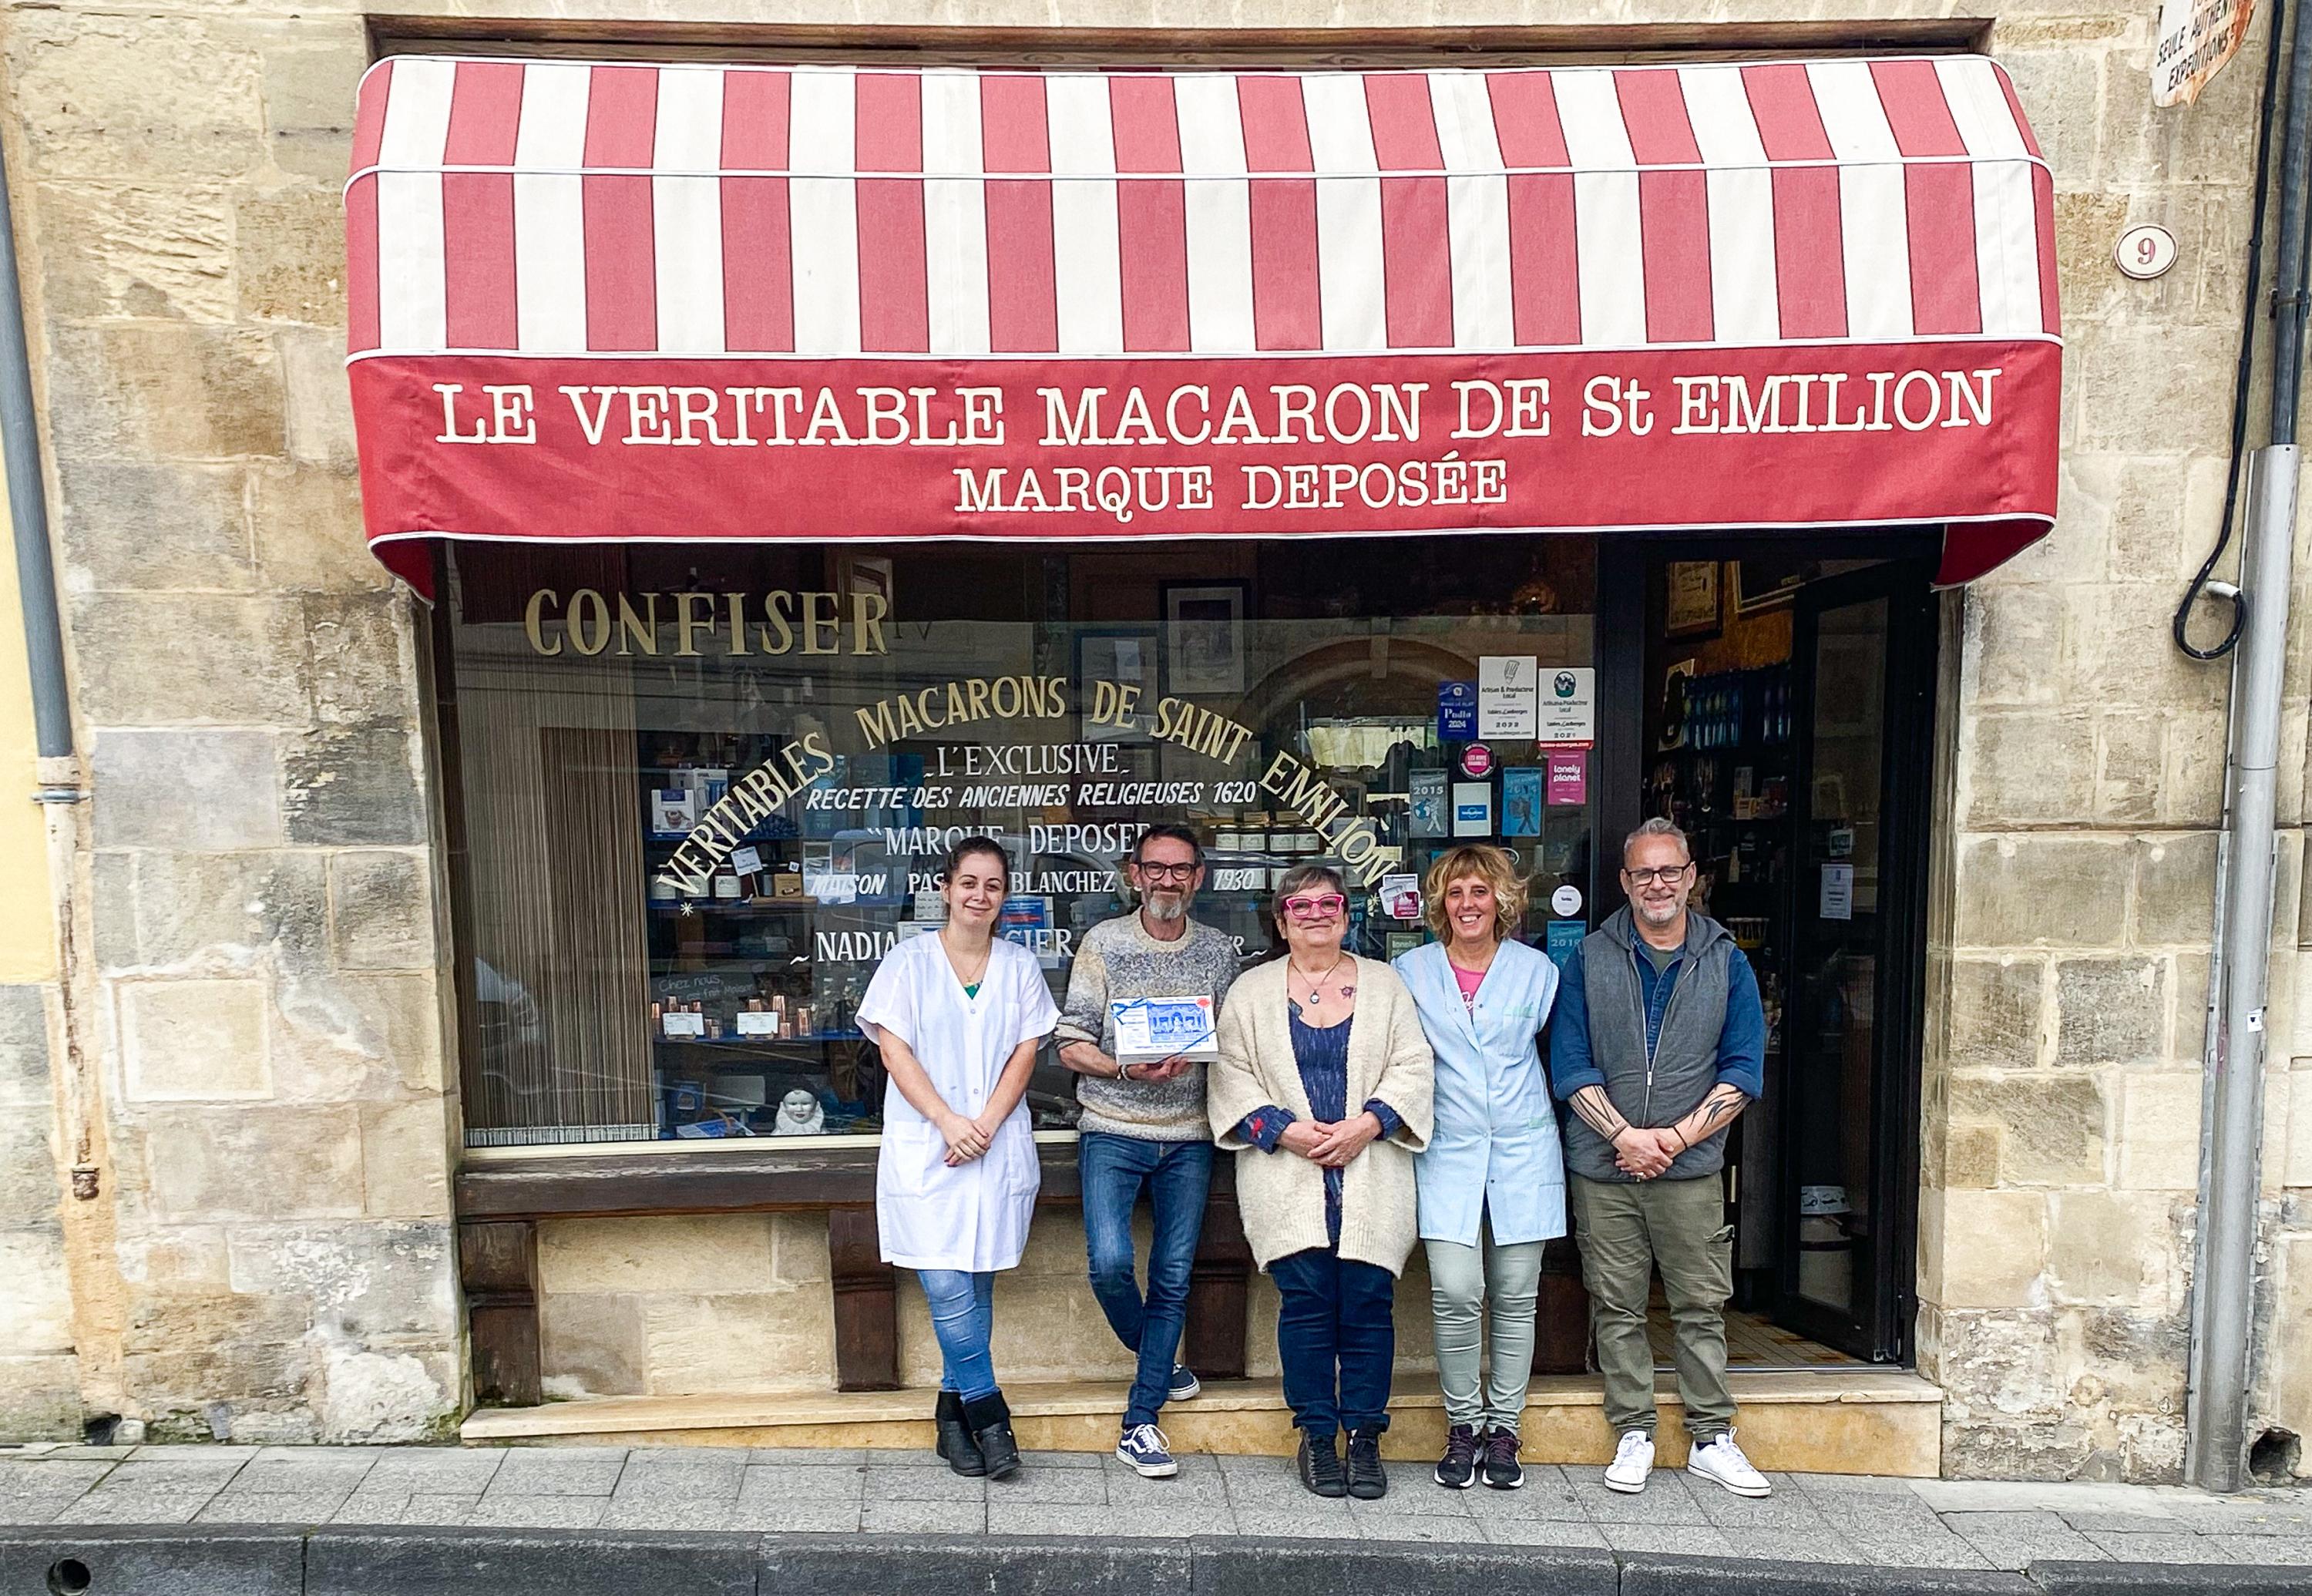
[(1476, 760), (2194, 39), (2145, 252)]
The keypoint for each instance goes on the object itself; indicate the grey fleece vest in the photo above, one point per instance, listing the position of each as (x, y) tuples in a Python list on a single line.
[(1685, 1065)]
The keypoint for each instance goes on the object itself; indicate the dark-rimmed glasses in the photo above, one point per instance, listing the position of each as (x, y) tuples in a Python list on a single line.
[(1166, 873), (1669, 876)]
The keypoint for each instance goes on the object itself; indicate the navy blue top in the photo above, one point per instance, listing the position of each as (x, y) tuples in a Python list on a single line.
[(1322, 1052), (1741, 1039)]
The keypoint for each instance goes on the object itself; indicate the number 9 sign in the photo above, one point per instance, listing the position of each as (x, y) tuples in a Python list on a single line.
[(2145, 252)]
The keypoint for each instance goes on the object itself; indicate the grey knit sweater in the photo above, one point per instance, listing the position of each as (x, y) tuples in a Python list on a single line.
[(1119, 960)]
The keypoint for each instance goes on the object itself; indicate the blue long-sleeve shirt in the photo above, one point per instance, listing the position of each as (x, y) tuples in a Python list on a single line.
[(1741, 1039)]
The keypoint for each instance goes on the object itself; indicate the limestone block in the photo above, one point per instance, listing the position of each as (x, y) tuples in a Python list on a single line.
[(2110, 1011), (158, 659), (2130, 759), (29, 1187), (2122, 629), (799, 1249), (377, 1396), (320, 405), (2112, 1250), (2077, 549), (2295, 1158), (2159, 1130), (177, 1381), (173, 389), (2187, 1042), (590, 1344), (758, 1341), (356, 1035), (2015, 643), (135, 525), (2175, 387), (1971, 1155), (113, 96), (2003, 1365), (405, 1160), (109, 249), (195, 1040), (178, 1258), (290, 261), (2086, 224), (308, 530), (311, 74), (2033, 1449), (242, 910), (364, 660), (35, 1310), (2024, 765), (381, 910), (1998, 1012), (2214, 144), (2175, 889), (254, 1161), (360, 1280), (1995, 1246), (40, 1397), (2039, 890), (2128, 1360), (2053, 1125), (23, 1046), (703, 1254), (351, 788), (2192, 794), (2289, 1382), (2061, 91), (198, 787)]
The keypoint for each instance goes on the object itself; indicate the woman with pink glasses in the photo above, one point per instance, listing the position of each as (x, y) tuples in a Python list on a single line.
[(1322, 1091)]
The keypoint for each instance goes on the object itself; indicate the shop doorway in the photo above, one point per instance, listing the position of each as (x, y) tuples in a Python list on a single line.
[(1777, 700)]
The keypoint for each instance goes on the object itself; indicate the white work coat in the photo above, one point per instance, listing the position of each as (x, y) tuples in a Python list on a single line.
[(975, 1216), (1493, 1151)]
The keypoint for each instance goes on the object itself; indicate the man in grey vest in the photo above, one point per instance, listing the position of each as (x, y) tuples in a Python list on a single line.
[(1659, 1042)]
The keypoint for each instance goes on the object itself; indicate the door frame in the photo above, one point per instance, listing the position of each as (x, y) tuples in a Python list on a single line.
[(1900, 998)]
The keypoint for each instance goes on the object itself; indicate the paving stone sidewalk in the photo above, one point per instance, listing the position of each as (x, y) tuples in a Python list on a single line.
[(1812, 1518)]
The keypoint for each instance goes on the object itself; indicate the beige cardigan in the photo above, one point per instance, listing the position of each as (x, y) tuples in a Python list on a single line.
[(1281, 1194)]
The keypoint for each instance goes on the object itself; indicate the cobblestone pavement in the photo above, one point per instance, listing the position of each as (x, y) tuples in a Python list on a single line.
[(1812, 1518)]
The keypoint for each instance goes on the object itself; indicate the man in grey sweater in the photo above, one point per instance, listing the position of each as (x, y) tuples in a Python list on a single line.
[(1143, 1124)]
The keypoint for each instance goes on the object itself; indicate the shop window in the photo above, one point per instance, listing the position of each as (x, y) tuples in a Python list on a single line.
[(704, 788)]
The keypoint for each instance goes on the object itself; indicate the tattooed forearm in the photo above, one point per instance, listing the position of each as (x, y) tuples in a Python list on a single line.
[(1716, 1113), (1598, 1112)]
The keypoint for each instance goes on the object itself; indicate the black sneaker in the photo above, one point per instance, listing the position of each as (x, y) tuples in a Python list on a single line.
[(1367, 1482), (1503, 1473), (1456, 1470), (1321, 1467)]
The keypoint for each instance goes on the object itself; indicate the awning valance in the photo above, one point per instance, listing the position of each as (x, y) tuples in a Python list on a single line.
[(636, 302)]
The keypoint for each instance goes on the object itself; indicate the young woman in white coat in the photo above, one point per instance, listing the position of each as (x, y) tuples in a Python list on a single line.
[(1493, 1164), (957, 1017)]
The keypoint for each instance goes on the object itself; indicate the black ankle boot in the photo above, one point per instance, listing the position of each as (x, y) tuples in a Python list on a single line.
[(990, 1421), (1321, 1467), (955, 1442), (1367, 1482)]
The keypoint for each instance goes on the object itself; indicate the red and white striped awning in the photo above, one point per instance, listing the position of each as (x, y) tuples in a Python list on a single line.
[(683, 302)]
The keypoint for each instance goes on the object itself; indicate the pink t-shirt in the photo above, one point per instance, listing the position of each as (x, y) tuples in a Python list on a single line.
[(1469, 981)]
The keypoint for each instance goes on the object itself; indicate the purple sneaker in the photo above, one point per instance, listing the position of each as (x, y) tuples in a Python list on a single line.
[(1456, 1470)]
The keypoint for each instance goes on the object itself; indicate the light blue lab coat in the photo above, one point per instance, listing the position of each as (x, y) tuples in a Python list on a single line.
[(1495, 1150)]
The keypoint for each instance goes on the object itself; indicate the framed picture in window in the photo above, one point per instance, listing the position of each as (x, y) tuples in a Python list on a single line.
[(1690, 598), (1761, 584), (1204, 636), (1112, 658)]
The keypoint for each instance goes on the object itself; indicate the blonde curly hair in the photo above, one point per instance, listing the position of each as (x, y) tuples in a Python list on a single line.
[(1496, 867)]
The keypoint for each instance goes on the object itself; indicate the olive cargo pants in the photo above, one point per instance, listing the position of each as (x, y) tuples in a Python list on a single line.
[(1627, 1229)]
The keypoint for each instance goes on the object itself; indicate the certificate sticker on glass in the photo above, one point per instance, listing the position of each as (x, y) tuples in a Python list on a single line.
[(1148, 1028), (1522, 802), (1509, 695), (1400, 897), (1473, 808)]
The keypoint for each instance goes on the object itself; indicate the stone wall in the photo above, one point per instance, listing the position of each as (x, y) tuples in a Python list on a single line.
[(270, 984), (265, 1006)]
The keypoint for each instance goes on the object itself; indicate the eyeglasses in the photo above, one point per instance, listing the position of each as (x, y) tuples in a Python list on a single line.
[(1164, 872), (1669, 876), (1315, 908)]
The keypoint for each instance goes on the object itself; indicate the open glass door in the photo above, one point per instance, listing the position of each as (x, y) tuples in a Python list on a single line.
[(1863, 678)]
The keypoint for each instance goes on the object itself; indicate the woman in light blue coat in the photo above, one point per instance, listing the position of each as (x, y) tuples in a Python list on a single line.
[(1493, 1171)]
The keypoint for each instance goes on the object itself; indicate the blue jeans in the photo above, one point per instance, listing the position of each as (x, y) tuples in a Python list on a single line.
[(1336, 1339), (963, 1318), (1176, 1174)]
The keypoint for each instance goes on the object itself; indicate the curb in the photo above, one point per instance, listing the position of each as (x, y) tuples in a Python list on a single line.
[(355, 1560)]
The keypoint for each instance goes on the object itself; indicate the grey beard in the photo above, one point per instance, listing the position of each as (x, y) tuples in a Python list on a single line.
[(1171, 911)]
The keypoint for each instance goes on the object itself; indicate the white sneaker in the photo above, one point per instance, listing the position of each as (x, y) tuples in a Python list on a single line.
[(1634, 1459), (1723, 1461)]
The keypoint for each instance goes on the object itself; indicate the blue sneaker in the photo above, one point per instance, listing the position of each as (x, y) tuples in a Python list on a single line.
[(1144, 1448), (1185, 1386)]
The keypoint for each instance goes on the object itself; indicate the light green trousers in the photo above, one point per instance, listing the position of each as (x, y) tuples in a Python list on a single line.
[(1627, 1229), (1473, 1290)]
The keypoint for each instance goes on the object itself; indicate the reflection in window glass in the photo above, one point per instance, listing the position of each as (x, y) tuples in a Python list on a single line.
[(705, 789)]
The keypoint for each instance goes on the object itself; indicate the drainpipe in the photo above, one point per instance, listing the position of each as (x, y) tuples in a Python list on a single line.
[(2230, 1177)]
